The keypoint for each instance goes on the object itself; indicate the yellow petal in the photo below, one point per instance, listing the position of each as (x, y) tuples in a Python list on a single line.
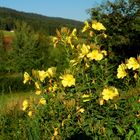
[(42, 101), (30, 113)]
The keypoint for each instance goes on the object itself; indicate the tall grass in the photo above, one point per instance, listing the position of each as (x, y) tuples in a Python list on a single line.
[(10, 101)]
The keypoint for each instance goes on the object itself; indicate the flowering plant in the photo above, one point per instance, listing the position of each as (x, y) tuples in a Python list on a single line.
[(66, 99)]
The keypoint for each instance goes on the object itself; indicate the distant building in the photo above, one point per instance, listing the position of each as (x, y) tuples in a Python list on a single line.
[(12, 31)]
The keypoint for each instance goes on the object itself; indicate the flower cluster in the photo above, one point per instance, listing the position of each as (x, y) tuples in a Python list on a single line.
[(93, 25), (131, 63), (26, 105), (65, 36), (76, 79), (93, 53), (38, 77)]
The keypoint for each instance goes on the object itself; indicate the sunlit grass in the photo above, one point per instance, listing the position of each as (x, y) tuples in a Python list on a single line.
[(13, 100), (8, 33)]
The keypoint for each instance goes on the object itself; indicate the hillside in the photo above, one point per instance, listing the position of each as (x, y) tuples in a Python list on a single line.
[(37, 22)]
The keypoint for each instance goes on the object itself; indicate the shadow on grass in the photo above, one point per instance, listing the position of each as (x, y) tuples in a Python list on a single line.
[(81, 136)]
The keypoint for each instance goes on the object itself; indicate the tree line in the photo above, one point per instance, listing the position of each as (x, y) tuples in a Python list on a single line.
[(122, 20), (39, 23)]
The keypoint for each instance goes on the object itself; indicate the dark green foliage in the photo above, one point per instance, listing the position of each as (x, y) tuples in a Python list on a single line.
[(15, 125), (57, 58), (26, 53), (12, 83), (121, 18)]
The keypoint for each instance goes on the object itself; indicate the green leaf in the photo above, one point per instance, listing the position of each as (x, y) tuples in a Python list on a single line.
[(120, 129), (129, 135)]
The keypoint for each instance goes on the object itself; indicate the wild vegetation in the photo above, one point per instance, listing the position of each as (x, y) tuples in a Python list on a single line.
[(81, 84)]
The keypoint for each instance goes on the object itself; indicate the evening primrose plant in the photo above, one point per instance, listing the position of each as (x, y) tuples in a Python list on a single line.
[(129, 71), (64, 100)]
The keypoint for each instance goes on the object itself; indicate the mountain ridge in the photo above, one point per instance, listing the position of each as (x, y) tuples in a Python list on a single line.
[(35, 20)]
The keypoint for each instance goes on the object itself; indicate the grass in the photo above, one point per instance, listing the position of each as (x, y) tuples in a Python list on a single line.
[(12, 100), (8, 33)]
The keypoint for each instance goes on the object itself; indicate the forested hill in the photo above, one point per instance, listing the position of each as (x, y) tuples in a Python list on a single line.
[(37, 22)]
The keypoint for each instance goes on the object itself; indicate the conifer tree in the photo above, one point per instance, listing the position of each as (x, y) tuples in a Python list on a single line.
[(25, 54)]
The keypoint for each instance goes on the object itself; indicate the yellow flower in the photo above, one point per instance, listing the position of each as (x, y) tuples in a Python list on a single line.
[(132, 63), (135, 75), (67, 80), (53, 88), (86, 27), (93, 81), (55, 131), (84, 50), (73, 62), (101, 101), (30, 113), (104, 52), (53, 138), (98, 26), (26, 77), (87, 65), (96, 55), (91, 33), (37, 85), (69, 41), (42, 101), (79, 109), (86, 98), (104, 35), (116, 107), (25, 105), (42, 75), (51, 72), (65, 31), (54, 39), (109, 93), (121, 71), (38, 92), (73, 34)]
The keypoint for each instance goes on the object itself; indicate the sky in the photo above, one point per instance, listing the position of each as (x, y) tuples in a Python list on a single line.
[(70, 9)]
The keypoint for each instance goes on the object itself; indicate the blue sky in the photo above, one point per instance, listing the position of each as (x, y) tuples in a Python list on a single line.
[(71, 9)]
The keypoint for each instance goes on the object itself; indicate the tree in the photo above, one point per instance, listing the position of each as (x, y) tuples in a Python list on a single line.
[(26, 50), (120, 19)]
